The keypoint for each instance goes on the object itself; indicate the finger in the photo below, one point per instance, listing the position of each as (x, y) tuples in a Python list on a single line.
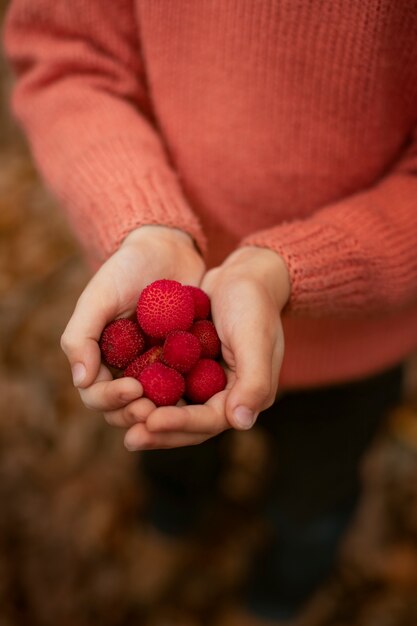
[(94, 309), (106, 394), (133, 413), (256, 363), (139, 438), (209, 418)]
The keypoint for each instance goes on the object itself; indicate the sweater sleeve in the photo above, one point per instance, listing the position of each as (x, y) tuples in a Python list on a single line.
[(81, 97), (357, 255)]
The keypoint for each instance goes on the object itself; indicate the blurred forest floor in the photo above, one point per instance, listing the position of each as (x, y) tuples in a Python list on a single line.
[(74, 546)]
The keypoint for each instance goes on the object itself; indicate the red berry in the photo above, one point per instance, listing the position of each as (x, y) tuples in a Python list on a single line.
[(206, 333), (138, 365), (161, 384), (201, 302), (204, 380), (121, 341), (181, 350), (165, 305)]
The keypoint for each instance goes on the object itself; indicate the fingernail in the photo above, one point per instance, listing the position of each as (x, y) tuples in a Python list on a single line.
[(244, 417), (78, 374), (130, 442)]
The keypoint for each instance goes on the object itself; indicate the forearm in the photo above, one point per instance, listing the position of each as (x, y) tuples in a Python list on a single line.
[(357, 256), (83, 103)]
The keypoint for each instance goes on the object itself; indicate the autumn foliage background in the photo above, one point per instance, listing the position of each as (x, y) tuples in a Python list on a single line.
[(73, 535)]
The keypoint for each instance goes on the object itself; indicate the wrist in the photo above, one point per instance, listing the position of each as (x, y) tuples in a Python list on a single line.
[(269, 267), (165, 253), (158, 232)]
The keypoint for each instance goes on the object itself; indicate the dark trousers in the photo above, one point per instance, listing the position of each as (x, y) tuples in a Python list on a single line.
[(320, 436)]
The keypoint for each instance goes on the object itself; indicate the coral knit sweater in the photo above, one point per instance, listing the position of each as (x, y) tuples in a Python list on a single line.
[(281, 124)]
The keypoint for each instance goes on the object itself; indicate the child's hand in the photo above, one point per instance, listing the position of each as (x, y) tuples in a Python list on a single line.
[(147, 254), (248, 293)]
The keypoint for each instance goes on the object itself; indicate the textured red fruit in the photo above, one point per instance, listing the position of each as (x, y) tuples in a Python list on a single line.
[(204, 380), (121, 341), (181, 350), (165, 305), (201, 302), (147, 358), (162, 384), (206, 333)]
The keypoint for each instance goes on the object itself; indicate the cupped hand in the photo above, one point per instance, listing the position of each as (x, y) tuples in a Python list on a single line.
[(147, 254), (248, 292)]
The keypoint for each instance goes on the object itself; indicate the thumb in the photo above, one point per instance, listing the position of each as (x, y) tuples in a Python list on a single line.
[(257, 364), (80, 338)]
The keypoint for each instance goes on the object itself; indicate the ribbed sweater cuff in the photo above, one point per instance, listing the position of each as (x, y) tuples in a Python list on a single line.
[(324, 263), (108, 193)]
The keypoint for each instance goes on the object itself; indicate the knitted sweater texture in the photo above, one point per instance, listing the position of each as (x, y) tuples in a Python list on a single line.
[(281, 124)]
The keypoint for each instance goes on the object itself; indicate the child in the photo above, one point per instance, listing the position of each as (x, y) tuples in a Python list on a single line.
[(265, 151)]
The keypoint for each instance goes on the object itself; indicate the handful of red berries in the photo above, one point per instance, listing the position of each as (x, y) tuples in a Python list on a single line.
[(172, 347)]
